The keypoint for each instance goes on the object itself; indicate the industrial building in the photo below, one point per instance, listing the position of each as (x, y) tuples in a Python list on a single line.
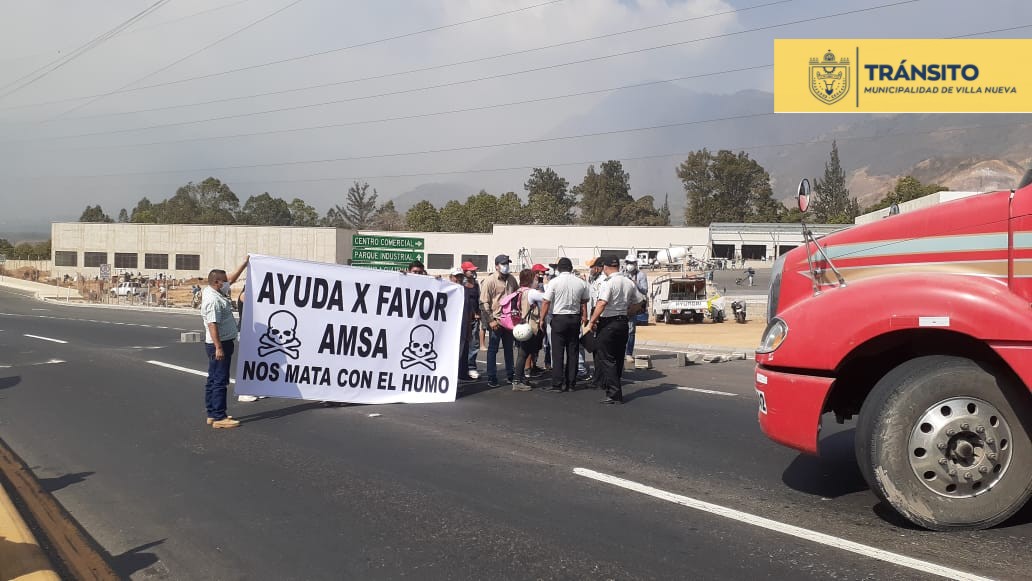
[(186, 251), (917, 204)]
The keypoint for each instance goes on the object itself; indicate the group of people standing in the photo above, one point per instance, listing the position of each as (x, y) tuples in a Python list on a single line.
[(567, 316)]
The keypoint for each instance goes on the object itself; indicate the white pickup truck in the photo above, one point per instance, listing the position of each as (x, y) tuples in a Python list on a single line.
[(128, 289), (679, 298)]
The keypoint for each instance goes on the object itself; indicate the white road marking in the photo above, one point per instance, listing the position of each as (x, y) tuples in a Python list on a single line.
[(183, 369), (45, 338), (48, 362), (778, 527), (41, 309), (709, 391)]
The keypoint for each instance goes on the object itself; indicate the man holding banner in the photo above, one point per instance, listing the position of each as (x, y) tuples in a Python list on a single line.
[(220, 333)]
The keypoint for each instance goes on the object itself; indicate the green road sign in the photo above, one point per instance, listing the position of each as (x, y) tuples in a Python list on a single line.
[(367, 255), (395, 267), (366, 241)]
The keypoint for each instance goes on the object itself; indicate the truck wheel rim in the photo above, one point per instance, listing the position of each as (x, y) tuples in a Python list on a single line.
[(960, 447)]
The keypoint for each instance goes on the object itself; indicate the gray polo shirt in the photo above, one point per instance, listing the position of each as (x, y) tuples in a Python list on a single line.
[(566, 293), (618, 291)]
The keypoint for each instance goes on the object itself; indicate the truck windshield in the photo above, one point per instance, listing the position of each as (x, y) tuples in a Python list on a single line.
[(1026, 179)]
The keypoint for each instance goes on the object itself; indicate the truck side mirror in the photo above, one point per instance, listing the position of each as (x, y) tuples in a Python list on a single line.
[(803, 195)]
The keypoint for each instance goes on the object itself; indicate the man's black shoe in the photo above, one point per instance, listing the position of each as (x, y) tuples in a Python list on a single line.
[(611, 401), (492, 383)]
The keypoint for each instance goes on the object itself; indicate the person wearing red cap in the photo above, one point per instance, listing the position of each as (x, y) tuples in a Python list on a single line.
[(472, 289)]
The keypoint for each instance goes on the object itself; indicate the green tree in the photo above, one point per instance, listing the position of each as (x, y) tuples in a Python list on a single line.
[(23, 251), (548, 198), (5, 246), (360, 207), (664, 212), (907, 188), (301, 214), (94, 214), (213, 202), (603, 194), (143, 213), (265, 210), (454, 217), (387, 218), (123, 216), (510, 209), (642, 212), (832, 204), (423, 217), (726, 187), (181, 208), (481, 212), (334, 218)]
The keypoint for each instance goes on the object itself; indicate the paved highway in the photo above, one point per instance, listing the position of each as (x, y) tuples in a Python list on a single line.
[(677, 484)]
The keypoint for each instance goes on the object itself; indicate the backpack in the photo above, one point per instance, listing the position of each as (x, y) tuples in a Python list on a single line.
[(511, 309)]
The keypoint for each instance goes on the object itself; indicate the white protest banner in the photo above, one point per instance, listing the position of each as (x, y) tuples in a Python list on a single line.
[(330, 332)]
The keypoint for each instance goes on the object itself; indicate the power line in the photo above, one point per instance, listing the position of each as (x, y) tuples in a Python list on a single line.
[(993, 31), (125, 89), (467, 81), (134, 31), (582, 162), (410, 71), (442, 150), (59, 62), (194, 53), (407, 117)]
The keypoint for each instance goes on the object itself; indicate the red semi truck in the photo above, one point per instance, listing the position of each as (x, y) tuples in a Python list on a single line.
[(919, 324)]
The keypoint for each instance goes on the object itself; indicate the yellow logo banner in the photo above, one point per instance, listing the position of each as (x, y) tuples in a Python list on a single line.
[(902, 76)]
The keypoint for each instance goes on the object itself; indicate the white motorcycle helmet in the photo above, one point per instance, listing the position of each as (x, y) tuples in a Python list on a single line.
[(522, 332)]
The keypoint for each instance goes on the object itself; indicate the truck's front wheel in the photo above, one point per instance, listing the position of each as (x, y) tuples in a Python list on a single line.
[(943, 440)]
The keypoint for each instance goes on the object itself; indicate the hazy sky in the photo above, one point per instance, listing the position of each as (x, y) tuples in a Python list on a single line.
[(43, 178)]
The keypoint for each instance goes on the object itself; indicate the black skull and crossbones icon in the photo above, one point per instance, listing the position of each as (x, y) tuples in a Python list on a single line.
[(281, 336), (420, 350)]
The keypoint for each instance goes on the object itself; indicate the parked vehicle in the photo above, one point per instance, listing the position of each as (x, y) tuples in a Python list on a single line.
[(919, 324), (679, 298), (738, 308), (128, 289)]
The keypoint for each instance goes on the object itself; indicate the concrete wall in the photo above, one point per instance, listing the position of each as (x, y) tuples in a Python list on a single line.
[(217, 246), (920, 203)]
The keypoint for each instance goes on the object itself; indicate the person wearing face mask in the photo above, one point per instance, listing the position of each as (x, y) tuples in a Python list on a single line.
[(476, 332), (641, 282), (492, 290), (220, 333)]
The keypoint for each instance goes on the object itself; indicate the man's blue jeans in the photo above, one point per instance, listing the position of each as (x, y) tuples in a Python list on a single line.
[(218, 380), (505, 336)]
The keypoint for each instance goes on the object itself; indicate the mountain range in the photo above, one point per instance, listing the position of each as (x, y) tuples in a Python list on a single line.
[(969, 152)]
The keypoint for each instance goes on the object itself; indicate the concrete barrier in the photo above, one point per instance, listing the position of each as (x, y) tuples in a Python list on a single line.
[(190, 337), (20, 554)]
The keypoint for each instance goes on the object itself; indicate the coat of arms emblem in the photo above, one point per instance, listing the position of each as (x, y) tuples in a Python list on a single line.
[(829, 78)]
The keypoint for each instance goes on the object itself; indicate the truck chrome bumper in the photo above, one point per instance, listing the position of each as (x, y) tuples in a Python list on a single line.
[(790, 407)]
